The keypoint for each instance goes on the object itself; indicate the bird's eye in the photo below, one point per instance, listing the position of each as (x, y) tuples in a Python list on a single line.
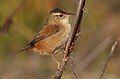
[(60, 15)]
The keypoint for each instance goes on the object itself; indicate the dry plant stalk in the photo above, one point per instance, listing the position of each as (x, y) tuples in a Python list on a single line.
[(71, 40), (108, 59), (9, 20)]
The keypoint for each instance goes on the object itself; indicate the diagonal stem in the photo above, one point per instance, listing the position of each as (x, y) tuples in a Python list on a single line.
[(108, 59), (71, 39)]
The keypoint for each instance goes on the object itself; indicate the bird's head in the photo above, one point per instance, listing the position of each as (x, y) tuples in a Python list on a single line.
[(59, 15)]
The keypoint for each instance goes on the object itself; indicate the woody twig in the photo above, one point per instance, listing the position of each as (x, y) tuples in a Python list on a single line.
[(71, 40)]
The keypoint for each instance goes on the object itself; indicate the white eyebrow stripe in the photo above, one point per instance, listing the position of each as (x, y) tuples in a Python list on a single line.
[(57, 13)]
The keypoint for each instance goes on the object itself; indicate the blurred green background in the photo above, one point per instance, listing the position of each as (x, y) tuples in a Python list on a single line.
[(101, 20)]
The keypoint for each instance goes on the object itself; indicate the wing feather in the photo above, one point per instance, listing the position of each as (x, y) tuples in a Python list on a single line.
[(46, 31)]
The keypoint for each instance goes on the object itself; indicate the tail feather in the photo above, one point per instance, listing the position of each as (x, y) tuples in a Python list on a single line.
[(21, 50)]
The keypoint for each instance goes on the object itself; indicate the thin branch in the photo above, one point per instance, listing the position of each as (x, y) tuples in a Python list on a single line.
[(71, 40), (76, 27), (9, 20), (108, 59)]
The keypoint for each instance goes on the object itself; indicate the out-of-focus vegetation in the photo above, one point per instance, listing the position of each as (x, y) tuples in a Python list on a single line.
[(101, 19)]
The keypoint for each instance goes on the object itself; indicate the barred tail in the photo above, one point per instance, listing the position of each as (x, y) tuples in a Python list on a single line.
[(21, 50)]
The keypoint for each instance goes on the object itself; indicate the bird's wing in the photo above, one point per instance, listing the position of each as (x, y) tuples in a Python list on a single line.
[(46, 31)]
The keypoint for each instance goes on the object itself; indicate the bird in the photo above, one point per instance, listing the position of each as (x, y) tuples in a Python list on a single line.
[(53, 36)]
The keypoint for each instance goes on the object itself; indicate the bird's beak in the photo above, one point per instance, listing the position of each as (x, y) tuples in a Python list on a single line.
[(70, 14)]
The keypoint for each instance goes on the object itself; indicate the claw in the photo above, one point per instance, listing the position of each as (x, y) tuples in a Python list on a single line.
[(78, 34), (58, 65), (65, 59), (85, 10)]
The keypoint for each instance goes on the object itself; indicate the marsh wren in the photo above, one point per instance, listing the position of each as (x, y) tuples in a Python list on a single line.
[(53, 35)]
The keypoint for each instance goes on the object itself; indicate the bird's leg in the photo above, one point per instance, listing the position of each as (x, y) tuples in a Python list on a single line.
[(58, 64), (57, 51)]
